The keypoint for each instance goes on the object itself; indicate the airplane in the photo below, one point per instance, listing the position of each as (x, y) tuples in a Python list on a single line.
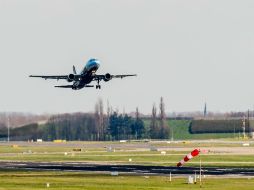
[(86, 76)]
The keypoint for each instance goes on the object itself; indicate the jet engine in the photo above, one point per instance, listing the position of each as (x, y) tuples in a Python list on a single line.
[(107, 77), (70, 77)]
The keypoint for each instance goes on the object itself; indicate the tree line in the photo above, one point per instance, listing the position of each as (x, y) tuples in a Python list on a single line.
[(106, 126), (97, 126)]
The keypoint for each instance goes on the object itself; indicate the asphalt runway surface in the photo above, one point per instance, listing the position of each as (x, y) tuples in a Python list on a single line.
[(129, 169)]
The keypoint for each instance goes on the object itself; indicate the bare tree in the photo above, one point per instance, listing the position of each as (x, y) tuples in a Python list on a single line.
[(164, 129), (137, 118), (99, 120), (154, 124), (106, 123), (162, 115), (139, 126)]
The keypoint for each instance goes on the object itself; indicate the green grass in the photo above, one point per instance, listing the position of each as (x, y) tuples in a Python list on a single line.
[(130, 147), (28, 180), (76, 181), (180, 130), (51, 152), (146, 158)]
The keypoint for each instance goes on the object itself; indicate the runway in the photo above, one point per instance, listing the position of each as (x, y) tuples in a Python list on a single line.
[(129, 169)]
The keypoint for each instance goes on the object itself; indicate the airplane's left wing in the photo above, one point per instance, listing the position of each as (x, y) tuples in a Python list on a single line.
[(57, 77), (70, 77)]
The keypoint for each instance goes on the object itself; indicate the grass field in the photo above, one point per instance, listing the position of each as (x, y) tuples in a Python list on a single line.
[(180, 129), (48, 152), (65, 180), (145, 159), (139, 152)]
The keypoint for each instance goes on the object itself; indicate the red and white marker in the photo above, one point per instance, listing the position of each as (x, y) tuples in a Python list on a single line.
[(188, 157)]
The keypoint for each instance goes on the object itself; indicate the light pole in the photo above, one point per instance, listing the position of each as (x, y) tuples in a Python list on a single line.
[(244, 127)]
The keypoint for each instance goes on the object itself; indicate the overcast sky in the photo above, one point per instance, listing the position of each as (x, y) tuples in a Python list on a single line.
[(188, 51)]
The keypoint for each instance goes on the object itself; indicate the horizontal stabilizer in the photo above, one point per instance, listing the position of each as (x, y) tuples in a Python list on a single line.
[(64, 86), (89, 85)]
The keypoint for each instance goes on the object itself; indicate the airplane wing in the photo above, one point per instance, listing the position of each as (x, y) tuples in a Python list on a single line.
[(122, 76), (108, 76), (58, 77)]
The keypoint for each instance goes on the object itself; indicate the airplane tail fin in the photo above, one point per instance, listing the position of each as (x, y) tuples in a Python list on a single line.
[(74, 70)]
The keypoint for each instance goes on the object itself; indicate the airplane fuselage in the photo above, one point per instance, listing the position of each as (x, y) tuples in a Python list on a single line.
[(87, 74)]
